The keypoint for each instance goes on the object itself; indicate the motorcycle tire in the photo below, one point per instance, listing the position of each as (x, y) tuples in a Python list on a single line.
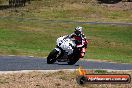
[(51, 59), (72, 61)]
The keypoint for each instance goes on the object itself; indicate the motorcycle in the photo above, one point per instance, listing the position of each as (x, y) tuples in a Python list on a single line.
[(65, 51)]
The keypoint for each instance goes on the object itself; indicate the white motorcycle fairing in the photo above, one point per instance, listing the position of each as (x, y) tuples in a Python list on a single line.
[(65, 51), (66, 44)]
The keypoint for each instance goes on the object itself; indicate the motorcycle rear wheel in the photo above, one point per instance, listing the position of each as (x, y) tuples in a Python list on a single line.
[(51, 59), (72, 61)]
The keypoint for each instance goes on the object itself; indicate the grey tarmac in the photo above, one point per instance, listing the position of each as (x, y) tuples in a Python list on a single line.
[(18, 63)]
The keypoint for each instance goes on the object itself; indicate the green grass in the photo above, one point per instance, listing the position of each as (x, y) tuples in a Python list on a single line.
[(25, 37), (111, 42)]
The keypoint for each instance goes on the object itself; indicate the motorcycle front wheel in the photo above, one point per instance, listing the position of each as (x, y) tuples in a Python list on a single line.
[(52, 57)]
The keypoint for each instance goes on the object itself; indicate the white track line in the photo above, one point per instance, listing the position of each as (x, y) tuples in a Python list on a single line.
[(52, 71)]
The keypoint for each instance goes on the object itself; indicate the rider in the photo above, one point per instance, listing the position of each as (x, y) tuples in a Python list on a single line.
[(81, 40)]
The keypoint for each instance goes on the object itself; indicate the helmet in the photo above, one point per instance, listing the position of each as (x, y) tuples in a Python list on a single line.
[(78, 31)]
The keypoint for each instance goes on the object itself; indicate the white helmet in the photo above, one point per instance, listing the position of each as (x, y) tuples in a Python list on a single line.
[(78, 30)]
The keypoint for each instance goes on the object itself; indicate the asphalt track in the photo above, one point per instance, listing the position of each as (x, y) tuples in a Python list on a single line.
[(17, 63)]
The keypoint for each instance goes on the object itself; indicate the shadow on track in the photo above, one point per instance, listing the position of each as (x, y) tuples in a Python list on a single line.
[(67, 64)]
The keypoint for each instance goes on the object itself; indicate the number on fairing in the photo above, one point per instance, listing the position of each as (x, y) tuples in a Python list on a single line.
[(62, 41)]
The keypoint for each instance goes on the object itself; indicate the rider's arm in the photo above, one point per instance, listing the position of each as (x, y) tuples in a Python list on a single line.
[(72, 35), (85, 41), (66, 36)]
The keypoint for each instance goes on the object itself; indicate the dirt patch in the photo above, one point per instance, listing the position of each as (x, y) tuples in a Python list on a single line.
[(60, 79), (38, 80)]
